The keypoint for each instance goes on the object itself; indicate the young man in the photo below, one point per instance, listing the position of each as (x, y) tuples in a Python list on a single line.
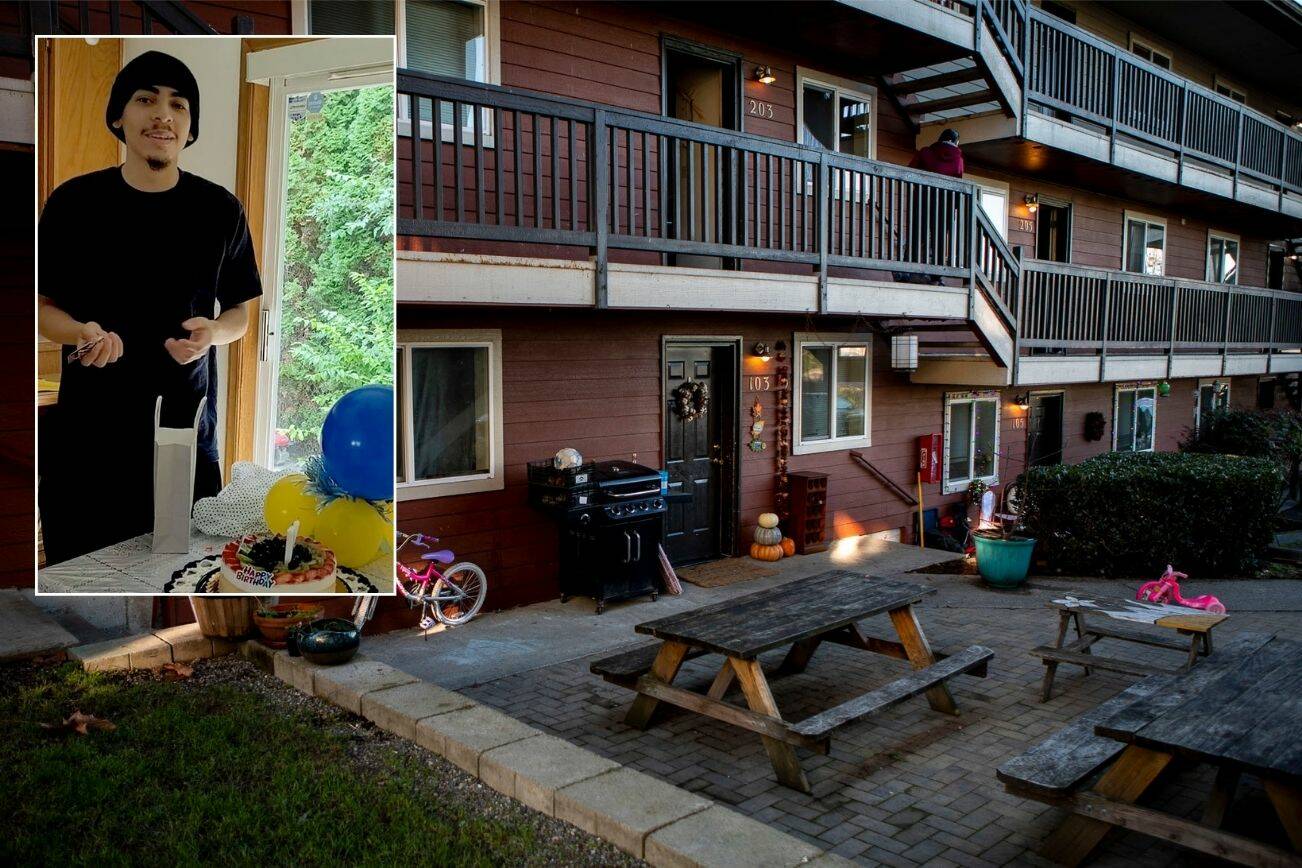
[(943, 156), (152, 267)]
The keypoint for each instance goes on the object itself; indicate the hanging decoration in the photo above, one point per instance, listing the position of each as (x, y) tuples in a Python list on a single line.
[(756, 428), (691, 400), (782, 438)]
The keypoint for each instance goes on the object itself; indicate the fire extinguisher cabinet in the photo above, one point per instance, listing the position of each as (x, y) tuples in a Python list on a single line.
[(808, 511)]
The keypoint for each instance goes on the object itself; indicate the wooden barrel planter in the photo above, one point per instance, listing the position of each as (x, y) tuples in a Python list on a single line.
[(224, 617)]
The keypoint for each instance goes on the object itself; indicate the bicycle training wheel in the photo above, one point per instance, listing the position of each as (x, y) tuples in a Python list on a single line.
[(459, 595)]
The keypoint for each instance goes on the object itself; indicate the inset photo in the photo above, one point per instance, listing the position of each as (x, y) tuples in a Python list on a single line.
[(215, 315)]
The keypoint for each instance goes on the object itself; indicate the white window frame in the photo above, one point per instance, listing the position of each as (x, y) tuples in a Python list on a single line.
[(1153, 49), (1198, 399), (1116, 407), (1238, 262), (494, 479), (1237, 93), (999, 188), (952, 486), (1140, 217), (855, 90), (832, 443)]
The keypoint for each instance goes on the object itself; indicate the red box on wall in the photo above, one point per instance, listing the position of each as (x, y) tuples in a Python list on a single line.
[(929, 457)]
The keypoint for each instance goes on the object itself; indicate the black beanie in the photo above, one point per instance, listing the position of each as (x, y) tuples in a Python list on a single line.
[(152, 69)]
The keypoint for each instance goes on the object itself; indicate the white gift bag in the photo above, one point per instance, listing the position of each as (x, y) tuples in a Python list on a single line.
[(174, 458)]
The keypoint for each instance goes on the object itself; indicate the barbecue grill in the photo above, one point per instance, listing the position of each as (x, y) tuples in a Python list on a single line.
[(611, 521)]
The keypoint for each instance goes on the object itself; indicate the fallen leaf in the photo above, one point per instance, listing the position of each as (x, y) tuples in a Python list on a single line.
[(175, 671), (80, 723)]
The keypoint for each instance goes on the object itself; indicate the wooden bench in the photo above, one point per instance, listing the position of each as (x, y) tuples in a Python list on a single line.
[(626, 667), (915, 683)]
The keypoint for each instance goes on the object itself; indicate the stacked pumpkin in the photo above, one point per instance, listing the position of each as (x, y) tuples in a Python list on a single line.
[(770, 544)]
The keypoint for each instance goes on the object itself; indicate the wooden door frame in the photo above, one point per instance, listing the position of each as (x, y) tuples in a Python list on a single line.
[(721, 56), (1055, 202), (729, 489), (1062, 422)]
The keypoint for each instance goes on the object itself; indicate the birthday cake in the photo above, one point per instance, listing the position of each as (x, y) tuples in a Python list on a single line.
[(255, 564)]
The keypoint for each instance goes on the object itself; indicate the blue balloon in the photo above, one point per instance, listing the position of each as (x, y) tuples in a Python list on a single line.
[(357, 442)]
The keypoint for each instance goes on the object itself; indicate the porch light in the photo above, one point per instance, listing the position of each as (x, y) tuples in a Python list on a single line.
[(1032, 202), (904, 352), (764, 75), (761, 349), (1023, 401)]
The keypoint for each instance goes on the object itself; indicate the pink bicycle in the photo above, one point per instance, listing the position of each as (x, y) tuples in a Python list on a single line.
[(451, 597), (1167, 590)]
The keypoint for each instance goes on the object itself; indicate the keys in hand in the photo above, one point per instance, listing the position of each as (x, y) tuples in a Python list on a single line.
[(96, 346)]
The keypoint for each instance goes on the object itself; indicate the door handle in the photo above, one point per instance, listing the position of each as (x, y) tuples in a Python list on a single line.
[(265, 336), (628, 547), (716, 457), (638, 557)]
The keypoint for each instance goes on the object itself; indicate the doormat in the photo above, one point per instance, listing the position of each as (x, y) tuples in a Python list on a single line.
[(726, 571)]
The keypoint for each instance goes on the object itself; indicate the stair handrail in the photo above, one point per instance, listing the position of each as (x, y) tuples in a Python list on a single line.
[(895, 489)]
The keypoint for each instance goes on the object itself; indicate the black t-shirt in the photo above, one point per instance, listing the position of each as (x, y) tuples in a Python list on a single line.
[(140, 264)]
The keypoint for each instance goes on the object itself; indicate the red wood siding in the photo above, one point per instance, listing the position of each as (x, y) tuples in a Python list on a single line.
[(592, 381), (17, 431)]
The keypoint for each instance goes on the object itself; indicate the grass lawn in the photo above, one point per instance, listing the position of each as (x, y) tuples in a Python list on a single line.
[(230, 766)]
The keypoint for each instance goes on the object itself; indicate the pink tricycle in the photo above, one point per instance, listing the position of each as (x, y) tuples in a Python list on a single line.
[(1167, 590)]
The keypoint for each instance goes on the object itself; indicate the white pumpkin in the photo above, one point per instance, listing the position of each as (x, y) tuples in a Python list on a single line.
[(768, 519), (768, 536)]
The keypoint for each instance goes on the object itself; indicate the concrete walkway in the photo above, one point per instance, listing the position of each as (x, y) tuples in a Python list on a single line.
[(535, 637), (26, 631)]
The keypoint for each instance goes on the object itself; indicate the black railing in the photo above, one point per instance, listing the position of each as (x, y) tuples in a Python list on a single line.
[(1069, 307), (495, 163), (1072, 71), (107, 18)]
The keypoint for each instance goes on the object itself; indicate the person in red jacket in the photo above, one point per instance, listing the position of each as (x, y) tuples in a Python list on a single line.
[(944, 156)]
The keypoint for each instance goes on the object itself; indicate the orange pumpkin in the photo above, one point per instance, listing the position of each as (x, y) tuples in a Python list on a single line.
[(788, 546), (762, 552)]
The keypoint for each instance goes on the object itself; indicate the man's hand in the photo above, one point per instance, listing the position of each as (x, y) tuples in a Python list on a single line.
[(107, 351), (196, 346)]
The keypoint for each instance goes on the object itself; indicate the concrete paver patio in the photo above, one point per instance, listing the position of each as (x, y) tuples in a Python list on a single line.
[(904, 787)]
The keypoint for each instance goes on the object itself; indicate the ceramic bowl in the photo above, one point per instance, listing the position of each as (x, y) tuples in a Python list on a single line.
[(329, 641)]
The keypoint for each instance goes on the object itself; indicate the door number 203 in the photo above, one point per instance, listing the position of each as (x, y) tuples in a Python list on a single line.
[(759, 109)]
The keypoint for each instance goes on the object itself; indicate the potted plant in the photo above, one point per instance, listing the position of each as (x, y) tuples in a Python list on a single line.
[(224, 617), (274, 622), (1003, 553)]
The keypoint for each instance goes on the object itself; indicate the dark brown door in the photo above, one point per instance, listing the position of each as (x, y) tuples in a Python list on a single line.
[(694, 455), (1044, 433)]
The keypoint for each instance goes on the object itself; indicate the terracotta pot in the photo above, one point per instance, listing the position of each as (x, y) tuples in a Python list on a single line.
[(224, 617), (274, 630)]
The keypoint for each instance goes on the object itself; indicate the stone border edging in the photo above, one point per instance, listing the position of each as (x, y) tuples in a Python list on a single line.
[(642, 815)]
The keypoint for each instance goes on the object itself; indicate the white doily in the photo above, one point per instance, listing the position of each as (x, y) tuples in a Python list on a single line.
[(237, 508)]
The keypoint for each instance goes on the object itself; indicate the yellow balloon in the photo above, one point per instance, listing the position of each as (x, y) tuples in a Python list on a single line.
[(352, 529), (289, 501)]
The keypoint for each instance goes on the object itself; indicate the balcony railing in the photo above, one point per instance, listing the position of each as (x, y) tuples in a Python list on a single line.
[(500, 164), (1068, 307), (1072, 71)]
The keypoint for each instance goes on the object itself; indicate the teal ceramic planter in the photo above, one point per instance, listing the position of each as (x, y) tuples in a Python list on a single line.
[(1004, 563)]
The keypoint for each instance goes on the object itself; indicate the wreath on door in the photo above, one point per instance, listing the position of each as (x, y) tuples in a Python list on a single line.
[(691, 400)]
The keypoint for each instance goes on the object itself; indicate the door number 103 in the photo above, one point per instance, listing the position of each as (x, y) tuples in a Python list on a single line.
[(758, 384)]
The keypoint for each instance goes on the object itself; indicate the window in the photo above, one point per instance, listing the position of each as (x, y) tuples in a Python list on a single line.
[(994, 201), (1134, 415), (1213, 395), (331, 18), (836, 114), (450, 413), (458, 38), (1233, 91), (971, 439), (1222, 257), (1150, 52), (834, 398), (1144, 244)]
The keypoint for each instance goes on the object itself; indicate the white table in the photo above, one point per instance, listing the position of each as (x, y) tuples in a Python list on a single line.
[(132, 567)]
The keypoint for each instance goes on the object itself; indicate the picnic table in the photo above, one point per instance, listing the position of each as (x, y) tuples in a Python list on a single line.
[(1124, 620), (801, 614), (1239, 711), (132, 567)]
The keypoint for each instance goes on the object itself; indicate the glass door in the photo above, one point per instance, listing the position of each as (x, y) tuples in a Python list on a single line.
[(327, 315)]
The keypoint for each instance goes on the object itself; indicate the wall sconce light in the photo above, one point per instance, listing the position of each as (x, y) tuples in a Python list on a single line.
[(764, 75), (1032, 202), (1023, 402), (761, 349), (904, 352)]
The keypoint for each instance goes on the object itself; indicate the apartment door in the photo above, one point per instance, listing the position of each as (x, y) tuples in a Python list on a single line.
[(702, 86), (1053, 232), (700, 447), (1044, 439)]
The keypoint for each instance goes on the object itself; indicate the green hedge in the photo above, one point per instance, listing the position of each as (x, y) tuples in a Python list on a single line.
[(1126, 514)]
